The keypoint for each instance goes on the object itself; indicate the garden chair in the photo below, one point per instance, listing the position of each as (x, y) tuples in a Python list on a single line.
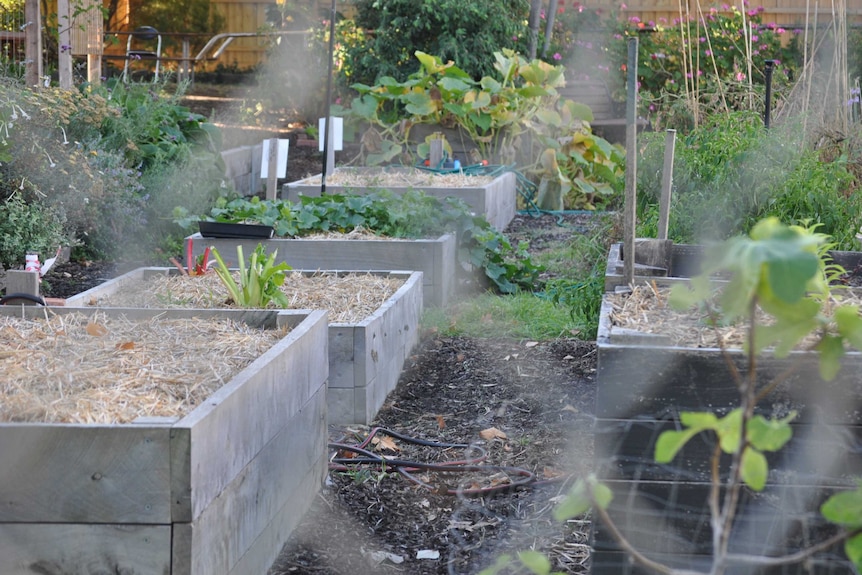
[(144, 43)]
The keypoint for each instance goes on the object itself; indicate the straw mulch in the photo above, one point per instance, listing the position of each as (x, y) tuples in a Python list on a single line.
[(400, 178), (646, 310), (78, 368), (348, 298)]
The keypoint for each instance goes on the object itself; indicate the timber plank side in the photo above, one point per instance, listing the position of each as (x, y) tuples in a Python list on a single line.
[(673, 518), (658, 382), (245, 408), (495, 201), (618, 563), (255, 495), (435, 258), (74, 548), (63, 473), (283, 523), (815, 456)]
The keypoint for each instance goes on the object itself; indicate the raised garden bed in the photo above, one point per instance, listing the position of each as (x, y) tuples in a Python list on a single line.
[(366, 350), (647, 375), (214, 491), (437, 258), (494, 198)]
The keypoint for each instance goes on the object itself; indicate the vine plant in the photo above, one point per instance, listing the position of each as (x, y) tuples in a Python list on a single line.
[(784, 271)]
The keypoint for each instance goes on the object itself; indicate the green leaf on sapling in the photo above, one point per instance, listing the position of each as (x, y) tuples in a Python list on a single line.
[(769, 434), (849, 324), (536, 562), (844, 508), (576, 503), (754, 469), (853, 549), (830, 349)]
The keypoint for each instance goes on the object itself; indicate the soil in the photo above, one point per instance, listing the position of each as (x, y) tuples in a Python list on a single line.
[(532, 400), (528, 405)]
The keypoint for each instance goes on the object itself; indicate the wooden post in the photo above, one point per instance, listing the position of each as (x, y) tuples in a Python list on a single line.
[(64, 59), (184, 74), (272, 170), (32, 43), (436, 154), (21, 282), (630, 206), (666, 184)]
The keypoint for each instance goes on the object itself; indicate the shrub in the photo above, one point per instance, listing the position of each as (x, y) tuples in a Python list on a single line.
[(28, 228), (732, 172), (465, 32), (112, 161)]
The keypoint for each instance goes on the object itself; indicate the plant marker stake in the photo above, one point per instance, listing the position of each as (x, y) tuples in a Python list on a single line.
[(631, 162), (770, 66), (326, 167), (666, 184)]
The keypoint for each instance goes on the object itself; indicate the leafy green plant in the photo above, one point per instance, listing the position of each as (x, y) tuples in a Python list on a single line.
[(29, 227), (259, 283), (465, 32), (413, 214), (493, 112), (731, 172), (784, 271)]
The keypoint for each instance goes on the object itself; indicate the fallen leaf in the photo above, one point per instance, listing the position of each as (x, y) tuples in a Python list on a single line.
[(531, 344), (441, 423), (569, 357), (460, 357), (96, 329), (126, 345), (385, 443), (492, 433), (551, 473), (571, 408)]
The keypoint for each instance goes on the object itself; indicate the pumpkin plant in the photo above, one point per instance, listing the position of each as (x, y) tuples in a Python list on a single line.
[(493, 112), (783, 271), (259, 283)]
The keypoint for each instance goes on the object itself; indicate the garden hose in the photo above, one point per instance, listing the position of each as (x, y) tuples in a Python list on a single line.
[(25, 296), (516, 477)]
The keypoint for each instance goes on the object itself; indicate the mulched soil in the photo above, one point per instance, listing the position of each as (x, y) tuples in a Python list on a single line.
[(535, 397), (533, 400)]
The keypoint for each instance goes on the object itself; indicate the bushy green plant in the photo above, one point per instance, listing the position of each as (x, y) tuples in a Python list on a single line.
[(731, 172), (465, 32), (413, 214), (113, 161), (25, 228)]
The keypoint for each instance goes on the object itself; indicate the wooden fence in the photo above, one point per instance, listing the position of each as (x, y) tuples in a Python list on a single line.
[(250, 16)]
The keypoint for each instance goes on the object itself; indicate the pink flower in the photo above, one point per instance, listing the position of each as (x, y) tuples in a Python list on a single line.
[(623, 7), (740, 76), (755, 37), (557, 56), (634, 20), (780, 30)]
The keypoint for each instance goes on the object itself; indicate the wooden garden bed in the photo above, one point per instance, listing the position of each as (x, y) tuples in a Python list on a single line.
[(216, 490)]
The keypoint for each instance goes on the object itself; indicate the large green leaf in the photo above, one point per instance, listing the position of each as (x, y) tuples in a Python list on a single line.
[(844, 508), (754, 469), (769, 434)]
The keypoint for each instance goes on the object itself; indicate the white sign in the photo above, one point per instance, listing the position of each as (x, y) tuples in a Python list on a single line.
[(281, 170), (336, 134)]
